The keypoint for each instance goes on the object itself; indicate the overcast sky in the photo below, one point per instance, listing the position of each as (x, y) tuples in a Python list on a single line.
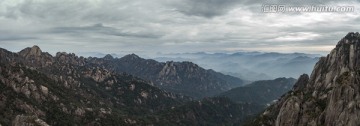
[(148, 27)]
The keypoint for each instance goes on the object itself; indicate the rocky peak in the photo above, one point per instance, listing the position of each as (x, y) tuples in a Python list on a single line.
[(67, 55), (171, 68), (350, 38), (108, 57), (352, 35), (131, 57), (168, 70), (33, 51), (169, 63), (63, 57), (301, 82)]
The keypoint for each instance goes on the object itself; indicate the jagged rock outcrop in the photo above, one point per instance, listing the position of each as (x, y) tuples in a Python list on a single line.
[(34, 51), (35, 57), (330, 96), (108, 57)]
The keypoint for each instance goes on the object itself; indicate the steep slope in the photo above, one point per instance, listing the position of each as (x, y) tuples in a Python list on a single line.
[(68, 90), (330, 96), (179, 77), (260, 92)]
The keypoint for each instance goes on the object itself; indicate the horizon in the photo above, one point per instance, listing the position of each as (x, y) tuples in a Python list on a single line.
[(153, 27), (157, 55)]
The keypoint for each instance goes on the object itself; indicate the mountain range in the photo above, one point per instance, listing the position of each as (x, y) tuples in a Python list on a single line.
[(184, 78), (40, 89), (67, 90)]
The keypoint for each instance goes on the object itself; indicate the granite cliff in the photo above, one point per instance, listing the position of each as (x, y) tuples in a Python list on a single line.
[(330, 96)]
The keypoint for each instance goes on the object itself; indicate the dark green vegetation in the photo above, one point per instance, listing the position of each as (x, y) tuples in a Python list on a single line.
[(343, 78), (260, 92), (90, 103), (209, 112), (71, 90)]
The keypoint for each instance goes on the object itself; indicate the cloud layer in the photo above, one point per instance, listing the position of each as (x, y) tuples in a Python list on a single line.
[(171, 26)]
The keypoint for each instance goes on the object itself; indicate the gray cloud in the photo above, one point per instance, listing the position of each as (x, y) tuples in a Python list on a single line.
[(101, 29), (113, 26), (213, 8), (205, 8), (11, 38)]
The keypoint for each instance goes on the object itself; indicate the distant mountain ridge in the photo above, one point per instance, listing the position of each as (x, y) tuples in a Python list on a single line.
[(250, 65), (184, 78)]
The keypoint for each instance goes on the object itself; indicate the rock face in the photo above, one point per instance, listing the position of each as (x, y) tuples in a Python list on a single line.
[(330, 96), (34, 51)]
